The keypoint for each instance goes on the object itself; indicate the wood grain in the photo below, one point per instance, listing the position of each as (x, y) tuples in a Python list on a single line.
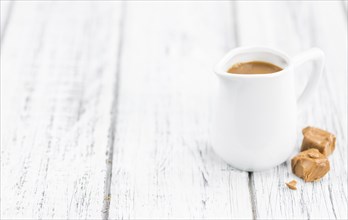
[(163, 166), (58, 76), (300, 26)]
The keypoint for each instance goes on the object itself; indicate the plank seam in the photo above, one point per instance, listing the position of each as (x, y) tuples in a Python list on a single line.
[(252, 194), (114, 111), (332, 204), (345, 7), (8, 17)]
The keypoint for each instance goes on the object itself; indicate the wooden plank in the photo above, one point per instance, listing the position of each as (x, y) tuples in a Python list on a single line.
[(163, 166), (294, 27), (5, 13), (58, 69)]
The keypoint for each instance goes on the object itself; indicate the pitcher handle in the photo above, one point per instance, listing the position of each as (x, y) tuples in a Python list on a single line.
[(313, 54)]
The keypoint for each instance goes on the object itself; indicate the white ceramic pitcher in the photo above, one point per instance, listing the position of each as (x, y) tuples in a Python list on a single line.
[(254, 123)]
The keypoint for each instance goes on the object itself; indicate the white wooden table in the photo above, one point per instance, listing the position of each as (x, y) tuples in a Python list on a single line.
[(106, 109)]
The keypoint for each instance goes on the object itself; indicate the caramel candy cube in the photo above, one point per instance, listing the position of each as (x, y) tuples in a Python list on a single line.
[(318, 139), (310, 165)]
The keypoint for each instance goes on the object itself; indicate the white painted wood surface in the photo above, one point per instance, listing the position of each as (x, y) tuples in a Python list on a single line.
[(163, 166), (106, 107), (58, 73)]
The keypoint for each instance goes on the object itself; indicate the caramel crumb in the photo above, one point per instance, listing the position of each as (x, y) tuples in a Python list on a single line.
[(292, 184)]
